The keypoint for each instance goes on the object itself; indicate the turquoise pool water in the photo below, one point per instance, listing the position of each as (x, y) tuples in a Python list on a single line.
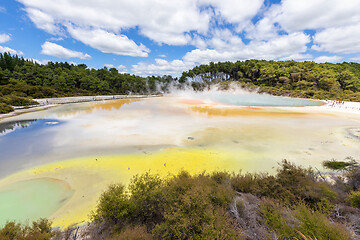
[(33, 199), (254, 99)]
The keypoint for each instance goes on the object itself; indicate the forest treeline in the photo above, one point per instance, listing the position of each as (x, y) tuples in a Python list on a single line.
[(294, 203), (22, 79), (339, 81)]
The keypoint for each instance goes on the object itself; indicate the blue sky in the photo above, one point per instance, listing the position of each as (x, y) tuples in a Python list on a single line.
[(156, 37)]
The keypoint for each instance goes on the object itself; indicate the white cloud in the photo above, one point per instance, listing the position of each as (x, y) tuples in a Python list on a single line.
[(10, 50), (280, 47), (53, 49), (4, 38), (120, 68), (162, 21), (43, 20), (234, 11), (161, 67), (298, 57), (265, 28), (355, 58), (109, 42), (224, 40), (332, 59), (2, 9), (298, 15), (338, 40), (41, 62)]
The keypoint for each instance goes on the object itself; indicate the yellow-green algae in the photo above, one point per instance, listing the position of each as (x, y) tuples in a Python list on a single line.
[(90, 176)]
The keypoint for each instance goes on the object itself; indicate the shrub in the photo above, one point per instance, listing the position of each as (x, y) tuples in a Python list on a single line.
[(290, 185), (40, 230), (300, 222), (315, 224), (194, 210), (354, 198), (5, 108), (339, 165), (146, 196), (17, 101), (114, 205)]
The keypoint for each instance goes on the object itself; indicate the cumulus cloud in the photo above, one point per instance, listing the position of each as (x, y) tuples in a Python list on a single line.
[(282, 46), (10, 50), (162, 21), (338, 40), (332, 59), (56, 50), (43, 20), (161, 67), (108, 42), (295, 15), (265, 28), (4, 38), (234, 12)]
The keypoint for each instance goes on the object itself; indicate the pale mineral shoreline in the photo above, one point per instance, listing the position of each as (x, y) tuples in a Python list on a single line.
[(331, 106), (45, 103)]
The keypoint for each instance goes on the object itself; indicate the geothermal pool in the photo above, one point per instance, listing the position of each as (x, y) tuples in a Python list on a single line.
[(55, 163)]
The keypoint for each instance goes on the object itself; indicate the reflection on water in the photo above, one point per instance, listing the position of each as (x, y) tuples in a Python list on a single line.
[(25, 142), (8, 127)]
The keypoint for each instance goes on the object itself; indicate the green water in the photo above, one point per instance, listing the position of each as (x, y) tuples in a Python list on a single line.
[(32, 199)]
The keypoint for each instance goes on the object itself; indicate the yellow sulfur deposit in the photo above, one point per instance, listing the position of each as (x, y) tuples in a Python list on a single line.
[(90, 176)]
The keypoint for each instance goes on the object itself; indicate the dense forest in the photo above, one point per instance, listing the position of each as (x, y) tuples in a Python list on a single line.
[(21, 80), (294, 203), (339, 81)]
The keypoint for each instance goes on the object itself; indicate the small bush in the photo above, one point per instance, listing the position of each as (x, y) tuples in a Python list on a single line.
[(114, 205), (17, 101), (40, 230), (338, 165), (146, 196), (354, 199), (5, 108), (315, 224), (300, 222)]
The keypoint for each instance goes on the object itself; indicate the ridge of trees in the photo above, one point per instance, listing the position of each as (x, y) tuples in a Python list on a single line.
[(22, 80), (307, 79)]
